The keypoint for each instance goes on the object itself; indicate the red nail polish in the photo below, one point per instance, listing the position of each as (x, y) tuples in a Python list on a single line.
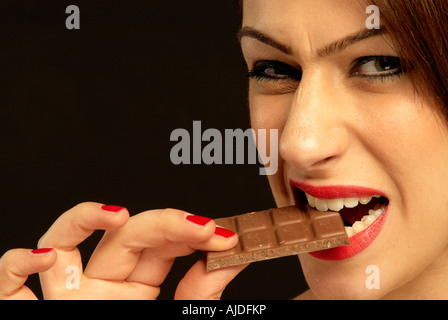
[(199, 220), (224, 232), (41, 251), (112, 208)]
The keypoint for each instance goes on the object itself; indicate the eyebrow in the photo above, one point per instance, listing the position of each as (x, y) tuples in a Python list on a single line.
[(254, 33), (330, 49)]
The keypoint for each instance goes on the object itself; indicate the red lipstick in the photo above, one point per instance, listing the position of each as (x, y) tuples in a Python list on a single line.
[(358, 242), (335, 191)]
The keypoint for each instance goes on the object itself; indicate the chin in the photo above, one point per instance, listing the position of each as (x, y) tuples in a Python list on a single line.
[(340, 280)]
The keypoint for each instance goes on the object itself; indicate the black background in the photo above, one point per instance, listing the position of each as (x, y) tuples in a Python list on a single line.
[(86, 115)]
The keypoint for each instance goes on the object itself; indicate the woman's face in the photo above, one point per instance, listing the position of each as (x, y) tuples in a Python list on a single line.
[(350, 129)]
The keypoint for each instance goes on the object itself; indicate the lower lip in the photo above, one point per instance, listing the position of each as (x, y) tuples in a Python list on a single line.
[(358, 242)]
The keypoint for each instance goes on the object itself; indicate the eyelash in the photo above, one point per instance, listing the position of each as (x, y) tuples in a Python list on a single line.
[(258, 72), (384, 77)]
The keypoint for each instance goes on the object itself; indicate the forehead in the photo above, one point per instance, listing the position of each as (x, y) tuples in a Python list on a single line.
[(314, 23)]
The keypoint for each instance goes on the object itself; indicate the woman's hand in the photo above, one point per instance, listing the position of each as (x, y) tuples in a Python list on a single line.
[(130, 262), (15, 267)]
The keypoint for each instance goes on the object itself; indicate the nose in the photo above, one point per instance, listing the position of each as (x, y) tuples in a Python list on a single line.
[(315, 134)]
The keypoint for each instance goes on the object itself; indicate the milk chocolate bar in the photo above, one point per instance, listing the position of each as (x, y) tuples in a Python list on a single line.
[(278, 232)]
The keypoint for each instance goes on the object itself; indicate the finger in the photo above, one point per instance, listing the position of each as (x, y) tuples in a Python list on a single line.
[(198, 284), (78, 223), (70, 229), (155, 263), (15, 267), (144, 249)]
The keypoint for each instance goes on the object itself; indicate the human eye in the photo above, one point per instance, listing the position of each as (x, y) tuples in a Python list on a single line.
[(269, 70), (379, 68)]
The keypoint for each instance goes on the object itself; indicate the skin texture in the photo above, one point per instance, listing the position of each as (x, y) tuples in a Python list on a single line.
[(130, 262), (335, 126), (339, 128)]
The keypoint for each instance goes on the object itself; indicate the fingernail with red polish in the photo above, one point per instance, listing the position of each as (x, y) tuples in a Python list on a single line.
[(224, 232), (41, 250), (199, 220), (112, 208)]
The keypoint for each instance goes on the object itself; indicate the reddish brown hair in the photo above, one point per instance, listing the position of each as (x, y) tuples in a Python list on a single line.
[(419, 32)]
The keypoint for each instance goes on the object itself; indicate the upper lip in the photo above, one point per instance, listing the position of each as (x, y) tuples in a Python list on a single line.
[(334, 191)]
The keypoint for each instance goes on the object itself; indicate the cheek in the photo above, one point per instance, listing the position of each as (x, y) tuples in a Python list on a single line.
[(271, 112), (421, 162), (409, 140), (410, 145)]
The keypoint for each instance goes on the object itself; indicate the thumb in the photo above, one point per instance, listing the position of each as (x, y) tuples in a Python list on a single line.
[(15, 267), (198, 284)]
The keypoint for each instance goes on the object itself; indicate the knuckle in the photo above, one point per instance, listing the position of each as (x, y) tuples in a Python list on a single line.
[(86, 206), (162, 214), (6, 258), (8, 263), (170, 212)]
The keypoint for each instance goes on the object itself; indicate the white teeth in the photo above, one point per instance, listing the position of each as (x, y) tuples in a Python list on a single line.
[(375, 213), (366, 220), (335, 204), (365, 200), (311, 200), (351, 202), (338, 204), (349, 231), (321, 204), (358, 226)]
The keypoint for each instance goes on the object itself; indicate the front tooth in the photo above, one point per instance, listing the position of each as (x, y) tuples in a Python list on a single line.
[(321, 204), (351, 202), (335, 204), (311, 200)]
